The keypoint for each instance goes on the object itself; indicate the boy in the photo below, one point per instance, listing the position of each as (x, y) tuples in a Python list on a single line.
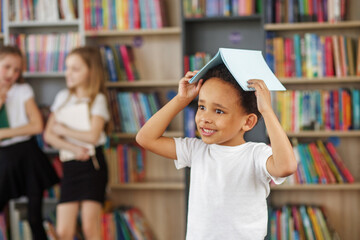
[(229, 180)]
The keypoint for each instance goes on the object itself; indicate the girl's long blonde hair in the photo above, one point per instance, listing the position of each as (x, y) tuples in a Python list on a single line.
[(92, 58)]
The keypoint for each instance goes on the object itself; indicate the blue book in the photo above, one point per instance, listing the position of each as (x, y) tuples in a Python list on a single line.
[(355, 93), (243, 65)]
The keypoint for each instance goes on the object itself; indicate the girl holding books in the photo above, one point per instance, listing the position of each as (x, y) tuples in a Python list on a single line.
[(24, 168), (84, 167)]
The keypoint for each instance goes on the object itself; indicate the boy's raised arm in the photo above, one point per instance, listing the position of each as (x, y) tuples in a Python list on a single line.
[(282, 163), (150, 135)]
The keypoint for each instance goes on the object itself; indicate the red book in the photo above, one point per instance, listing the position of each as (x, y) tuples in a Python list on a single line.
[(320, 9), (120, 158), (136, 14), (329, 61), (127, 64), (339, 162)]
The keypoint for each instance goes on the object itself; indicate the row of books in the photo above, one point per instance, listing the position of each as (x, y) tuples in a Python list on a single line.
[(127, 163), (299, 222), (126, 223), (130, 110), (196, 61), (119, 63), (213, 8), (42, 10), (124, 14), (318, 109), (45, 52), (319, 163), (312, 55), (291, 11)]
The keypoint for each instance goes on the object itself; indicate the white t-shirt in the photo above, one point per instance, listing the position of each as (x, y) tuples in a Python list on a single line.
[(98, 107), (228, 189), (16, 98)]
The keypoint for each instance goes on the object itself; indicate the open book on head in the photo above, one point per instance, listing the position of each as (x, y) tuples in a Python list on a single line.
[(243, 65), (75, 117)]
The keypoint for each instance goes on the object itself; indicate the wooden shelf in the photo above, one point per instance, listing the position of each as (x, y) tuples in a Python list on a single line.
[(325, 80), (324, 133), (132, 135), (149, 186), (43, 74), (255, 17), (133, 32), (144, 83), (316, 187), (1, 35), (311, 26), (59, 23)]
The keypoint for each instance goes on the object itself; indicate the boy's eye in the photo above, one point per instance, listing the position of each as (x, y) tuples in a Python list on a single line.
[(201, 107), (218, 111)]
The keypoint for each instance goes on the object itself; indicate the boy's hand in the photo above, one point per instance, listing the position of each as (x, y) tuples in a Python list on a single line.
[(262, 95), (189, 90)]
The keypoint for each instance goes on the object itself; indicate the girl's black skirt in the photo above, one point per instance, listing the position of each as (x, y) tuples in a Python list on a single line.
[(24, 170), (81, 181)]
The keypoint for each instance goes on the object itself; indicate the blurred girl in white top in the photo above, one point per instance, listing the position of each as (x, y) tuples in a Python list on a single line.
[(83, 184), (24, 168)]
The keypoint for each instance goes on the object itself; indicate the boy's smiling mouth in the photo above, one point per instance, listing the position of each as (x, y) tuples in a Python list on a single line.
[(207, 132)]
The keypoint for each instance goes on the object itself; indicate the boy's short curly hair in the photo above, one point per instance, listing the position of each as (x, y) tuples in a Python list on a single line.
[(247, 98)]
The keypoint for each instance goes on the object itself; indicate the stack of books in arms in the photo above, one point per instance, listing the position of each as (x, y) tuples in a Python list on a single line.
[(212, 8), (128, 165), (291, 11), (42, 10), (319, 163), (50, 58), (312, 55), (119, 63), (124, 14), (130, 110), (299, 222), (337, 109)]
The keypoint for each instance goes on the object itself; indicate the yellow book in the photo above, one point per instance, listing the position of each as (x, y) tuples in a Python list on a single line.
[(315, 224), (329, 161), (119, 15), (105, 7)]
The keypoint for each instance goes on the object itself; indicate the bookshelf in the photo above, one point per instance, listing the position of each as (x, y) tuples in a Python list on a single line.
[(157, 56), (340, 201)]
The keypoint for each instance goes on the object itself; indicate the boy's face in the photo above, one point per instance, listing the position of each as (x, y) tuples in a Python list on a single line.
[(220, 118)]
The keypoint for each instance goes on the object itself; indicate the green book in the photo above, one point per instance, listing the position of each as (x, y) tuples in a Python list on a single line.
[(4, 123)]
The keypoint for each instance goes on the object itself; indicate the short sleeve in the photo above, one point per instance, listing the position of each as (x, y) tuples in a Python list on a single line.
[(185, 150), (59, 99), (26, 92), (262, 152), (100, 107)]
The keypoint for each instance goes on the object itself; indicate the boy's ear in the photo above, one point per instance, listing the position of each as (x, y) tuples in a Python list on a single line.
[(250, 122)]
